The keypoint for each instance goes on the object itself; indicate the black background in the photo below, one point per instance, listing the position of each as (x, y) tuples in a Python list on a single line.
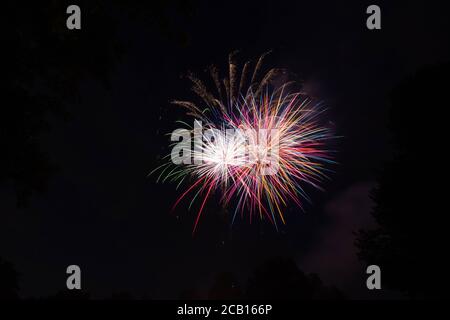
[(104, 92)]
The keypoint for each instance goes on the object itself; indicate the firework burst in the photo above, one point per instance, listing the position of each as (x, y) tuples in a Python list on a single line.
[(257, 147)]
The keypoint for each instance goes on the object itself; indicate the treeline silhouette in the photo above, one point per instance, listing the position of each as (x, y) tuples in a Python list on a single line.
[(276, 279)]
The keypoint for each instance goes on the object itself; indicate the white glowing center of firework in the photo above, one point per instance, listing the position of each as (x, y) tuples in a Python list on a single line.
[(242, 154), (224, 151)]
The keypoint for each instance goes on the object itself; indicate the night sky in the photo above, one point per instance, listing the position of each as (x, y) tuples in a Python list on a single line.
[(100, 210)]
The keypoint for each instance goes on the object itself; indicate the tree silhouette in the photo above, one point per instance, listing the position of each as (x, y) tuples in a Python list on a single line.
[(47, 63), (280, 278), (9, 281), (410, 243), (190, 294), (225, 287)]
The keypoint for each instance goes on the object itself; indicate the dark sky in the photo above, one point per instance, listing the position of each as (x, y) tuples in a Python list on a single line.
[(101, 211)]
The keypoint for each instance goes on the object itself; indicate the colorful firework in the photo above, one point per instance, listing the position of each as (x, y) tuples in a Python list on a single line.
[(260, 146)]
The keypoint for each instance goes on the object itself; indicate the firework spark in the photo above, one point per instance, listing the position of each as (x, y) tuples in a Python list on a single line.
[(259, 149)]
